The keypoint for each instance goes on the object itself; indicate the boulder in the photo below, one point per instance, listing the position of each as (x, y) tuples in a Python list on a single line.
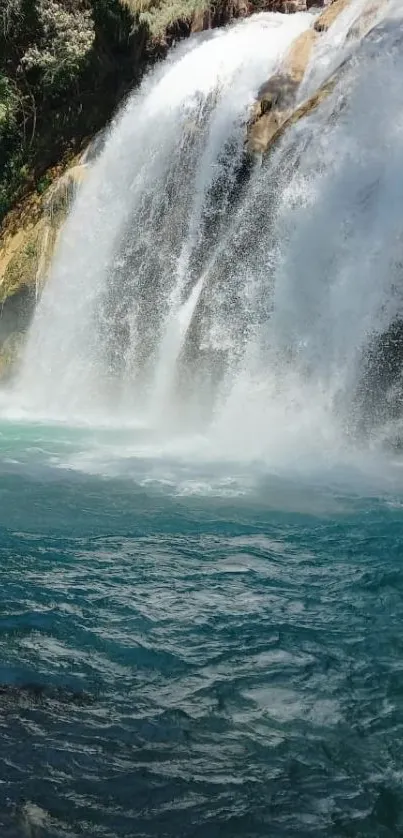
[(277, 99), (328, 17), (360, 27), (278, 96)]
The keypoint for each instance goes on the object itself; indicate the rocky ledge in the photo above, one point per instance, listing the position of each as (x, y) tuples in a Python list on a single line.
[(277, 101)]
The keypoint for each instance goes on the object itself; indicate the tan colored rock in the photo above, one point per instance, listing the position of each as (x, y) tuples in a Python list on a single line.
[(25, 254), (62, 191), (277, 97), (10, 247), (19, 260), (306, 108), (300, 54), (27, 247), (328, 17)]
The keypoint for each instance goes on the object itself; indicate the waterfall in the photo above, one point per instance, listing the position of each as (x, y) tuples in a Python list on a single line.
[(195, 289)]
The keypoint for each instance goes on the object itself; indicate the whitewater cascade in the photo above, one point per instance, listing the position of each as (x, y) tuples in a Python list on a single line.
[(194, 289)]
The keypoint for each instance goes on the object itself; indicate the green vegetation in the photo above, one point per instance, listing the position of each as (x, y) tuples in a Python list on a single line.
[(159, 15), (66, 64)]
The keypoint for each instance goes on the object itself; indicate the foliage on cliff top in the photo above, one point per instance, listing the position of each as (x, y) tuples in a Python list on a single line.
[(160, 15), (65, 65)]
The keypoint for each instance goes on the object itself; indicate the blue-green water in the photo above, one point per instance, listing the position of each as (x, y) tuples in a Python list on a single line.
[(196, 651)]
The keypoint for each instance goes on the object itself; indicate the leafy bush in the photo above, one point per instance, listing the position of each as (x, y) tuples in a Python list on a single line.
[(160, 15), (65, 65), (63, 44)]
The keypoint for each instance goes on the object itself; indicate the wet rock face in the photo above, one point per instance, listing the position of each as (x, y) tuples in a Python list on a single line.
[(277, 98), (276, 103), (26, 253), (330, 14)]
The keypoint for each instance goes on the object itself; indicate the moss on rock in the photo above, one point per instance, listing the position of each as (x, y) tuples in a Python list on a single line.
[(10, 355)]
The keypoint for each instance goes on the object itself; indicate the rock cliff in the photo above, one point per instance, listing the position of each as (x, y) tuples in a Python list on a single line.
[(279, 98)]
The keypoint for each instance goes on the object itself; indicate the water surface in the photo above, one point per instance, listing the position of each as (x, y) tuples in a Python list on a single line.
[(191, 650)]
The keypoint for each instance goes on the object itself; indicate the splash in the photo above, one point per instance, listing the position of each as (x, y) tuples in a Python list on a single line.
[(146, 226), (197, 293)]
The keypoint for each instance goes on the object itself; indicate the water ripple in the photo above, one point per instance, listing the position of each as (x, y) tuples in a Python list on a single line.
[(242, 675)]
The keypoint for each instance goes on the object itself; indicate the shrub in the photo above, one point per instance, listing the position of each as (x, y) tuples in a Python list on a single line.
[(63, 44), (160, 15)]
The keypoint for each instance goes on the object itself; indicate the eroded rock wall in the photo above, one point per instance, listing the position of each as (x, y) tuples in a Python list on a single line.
[(27, 247), (277, 101)]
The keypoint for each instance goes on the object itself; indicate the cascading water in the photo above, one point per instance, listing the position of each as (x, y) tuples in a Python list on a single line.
[(193, 289), (138, 252)]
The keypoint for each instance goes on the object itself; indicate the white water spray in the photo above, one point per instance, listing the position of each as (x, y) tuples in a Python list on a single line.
[(188, 294), (135, 236)]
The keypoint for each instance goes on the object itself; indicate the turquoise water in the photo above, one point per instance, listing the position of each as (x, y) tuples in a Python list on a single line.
[(196, 650)]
